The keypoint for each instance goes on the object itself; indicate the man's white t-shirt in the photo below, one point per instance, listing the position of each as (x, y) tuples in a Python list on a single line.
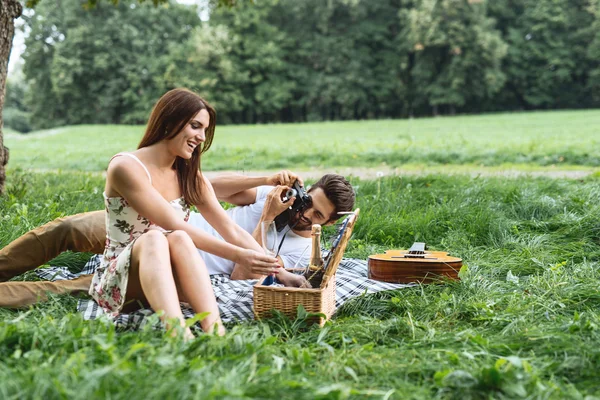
[(247, 218)]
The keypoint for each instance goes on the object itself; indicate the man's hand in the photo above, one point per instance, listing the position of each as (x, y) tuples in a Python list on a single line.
[(284, 178), (292, 280), (274, 205)]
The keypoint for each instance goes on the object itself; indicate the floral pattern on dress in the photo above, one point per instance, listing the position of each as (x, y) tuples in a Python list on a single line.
[(123, 226)]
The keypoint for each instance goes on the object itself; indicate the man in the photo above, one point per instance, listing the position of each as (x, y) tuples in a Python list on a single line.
[(256, 199)]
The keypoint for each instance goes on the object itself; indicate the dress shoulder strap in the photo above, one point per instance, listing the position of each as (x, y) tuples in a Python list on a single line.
[(136, 159)]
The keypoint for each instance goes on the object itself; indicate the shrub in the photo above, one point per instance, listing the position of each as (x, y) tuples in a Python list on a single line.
[(17, 120)]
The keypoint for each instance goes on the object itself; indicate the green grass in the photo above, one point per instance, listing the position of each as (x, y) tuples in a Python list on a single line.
[(522, 323), (535, 138)]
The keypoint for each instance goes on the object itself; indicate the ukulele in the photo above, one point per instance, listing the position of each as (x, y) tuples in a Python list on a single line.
[(414, 265)]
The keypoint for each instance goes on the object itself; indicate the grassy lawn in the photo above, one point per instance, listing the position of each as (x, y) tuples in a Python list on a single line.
[(540, 138), (522, 323)]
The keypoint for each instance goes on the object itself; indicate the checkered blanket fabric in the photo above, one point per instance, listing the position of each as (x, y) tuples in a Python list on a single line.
[(234, 297)]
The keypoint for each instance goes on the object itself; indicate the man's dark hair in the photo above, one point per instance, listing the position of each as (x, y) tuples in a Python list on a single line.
[(339, 191)]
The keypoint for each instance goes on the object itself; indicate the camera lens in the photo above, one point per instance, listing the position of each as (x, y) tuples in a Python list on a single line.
[(291, 193)]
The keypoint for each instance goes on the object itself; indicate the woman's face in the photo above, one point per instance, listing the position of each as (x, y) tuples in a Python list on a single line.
[(192, 135)]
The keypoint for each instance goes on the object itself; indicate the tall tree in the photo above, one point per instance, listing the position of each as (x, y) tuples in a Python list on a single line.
[(284, 60), (102, 65), (594, 54), (347, 56), (236, 60), (548, 62), (458, 53), (9, 11)]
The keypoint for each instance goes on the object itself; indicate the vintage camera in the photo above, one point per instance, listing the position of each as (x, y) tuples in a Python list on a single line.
[(302, 202)]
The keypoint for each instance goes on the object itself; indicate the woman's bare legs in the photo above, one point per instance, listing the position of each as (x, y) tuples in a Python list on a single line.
[(151, 277), (193, 280)]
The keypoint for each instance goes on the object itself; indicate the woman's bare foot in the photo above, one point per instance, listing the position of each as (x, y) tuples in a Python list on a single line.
[(221, 331), (175, 331), (214, 327), (188, 335)]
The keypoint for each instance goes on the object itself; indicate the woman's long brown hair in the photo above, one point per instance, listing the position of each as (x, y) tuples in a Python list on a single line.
[(173, 111)]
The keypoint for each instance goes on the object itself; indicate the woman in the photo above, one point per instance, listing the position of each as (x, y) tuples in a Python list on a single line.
[(150, 253)]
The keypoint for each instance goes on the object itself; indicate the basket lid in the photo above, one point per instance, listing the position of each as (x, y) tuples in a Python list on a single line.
[(339, 246)]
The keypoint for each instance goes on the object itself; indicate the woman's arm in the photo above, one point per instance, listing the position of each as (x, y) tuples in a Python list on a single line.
[(216, 216), (124, 177)]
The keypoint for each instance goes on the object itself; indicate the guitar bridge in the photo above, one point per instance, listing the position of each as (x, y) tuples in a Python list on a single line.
[(422, 256), (417, 250)]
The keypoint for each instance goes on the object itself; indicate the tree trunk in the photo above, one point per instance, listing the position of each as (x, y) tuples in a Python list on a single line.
[(9, 10)]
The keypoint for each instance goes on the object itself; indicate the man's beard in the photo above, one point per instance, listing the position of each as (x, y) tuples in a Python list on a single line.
[(301, 223)]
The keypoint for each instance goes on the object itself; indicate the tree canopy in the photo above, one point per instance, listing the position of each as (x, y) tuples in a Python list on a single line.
[(285, 60)]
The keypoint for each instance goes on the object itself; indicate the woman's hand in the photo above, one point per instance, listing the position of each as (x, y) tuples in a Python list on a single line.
[(284, 178), (258, 263)]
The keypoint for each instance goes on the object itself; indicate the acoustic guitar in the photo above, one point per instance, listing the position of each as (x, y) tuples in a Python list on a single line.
[(413, 265)]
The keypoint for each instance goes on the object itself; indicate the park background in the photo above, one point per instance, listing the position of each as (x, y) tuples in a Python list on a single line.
[(469, 124)]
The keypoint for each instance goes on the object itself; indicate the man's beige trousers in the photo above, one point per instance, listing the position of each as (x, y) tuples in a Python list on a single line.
[(81, 233)]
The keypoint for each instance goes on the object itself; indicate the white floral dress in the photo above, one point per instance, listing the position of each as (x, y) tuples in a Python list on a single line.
[(123, 226)]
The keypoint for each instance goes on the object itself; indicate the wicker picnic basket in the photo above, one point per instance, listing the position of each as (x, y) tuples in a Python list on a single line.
[(314, 300)]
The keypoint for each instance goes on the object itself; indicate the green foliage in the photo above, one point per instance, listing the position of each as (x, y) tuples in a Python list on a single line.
[(16, 114), (94, 3), (16, 119), (548, 64), (344, 57), (593, 52), (100, 65), (16, 89), (312, 60), (457, 53)]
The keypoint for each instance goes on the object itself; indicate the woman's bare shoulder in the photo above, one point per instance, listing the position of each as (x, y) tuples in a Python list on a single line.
[(122, 169)]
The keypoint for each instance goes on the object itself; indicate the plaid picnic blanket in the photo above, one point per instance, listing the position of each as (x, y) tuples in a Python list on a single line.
[(234, 297)]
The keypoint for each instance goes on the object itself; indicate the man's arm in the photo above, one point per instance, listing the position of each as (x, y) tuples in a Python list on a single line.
[(240, 190), (273, 207), (236, 189)]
